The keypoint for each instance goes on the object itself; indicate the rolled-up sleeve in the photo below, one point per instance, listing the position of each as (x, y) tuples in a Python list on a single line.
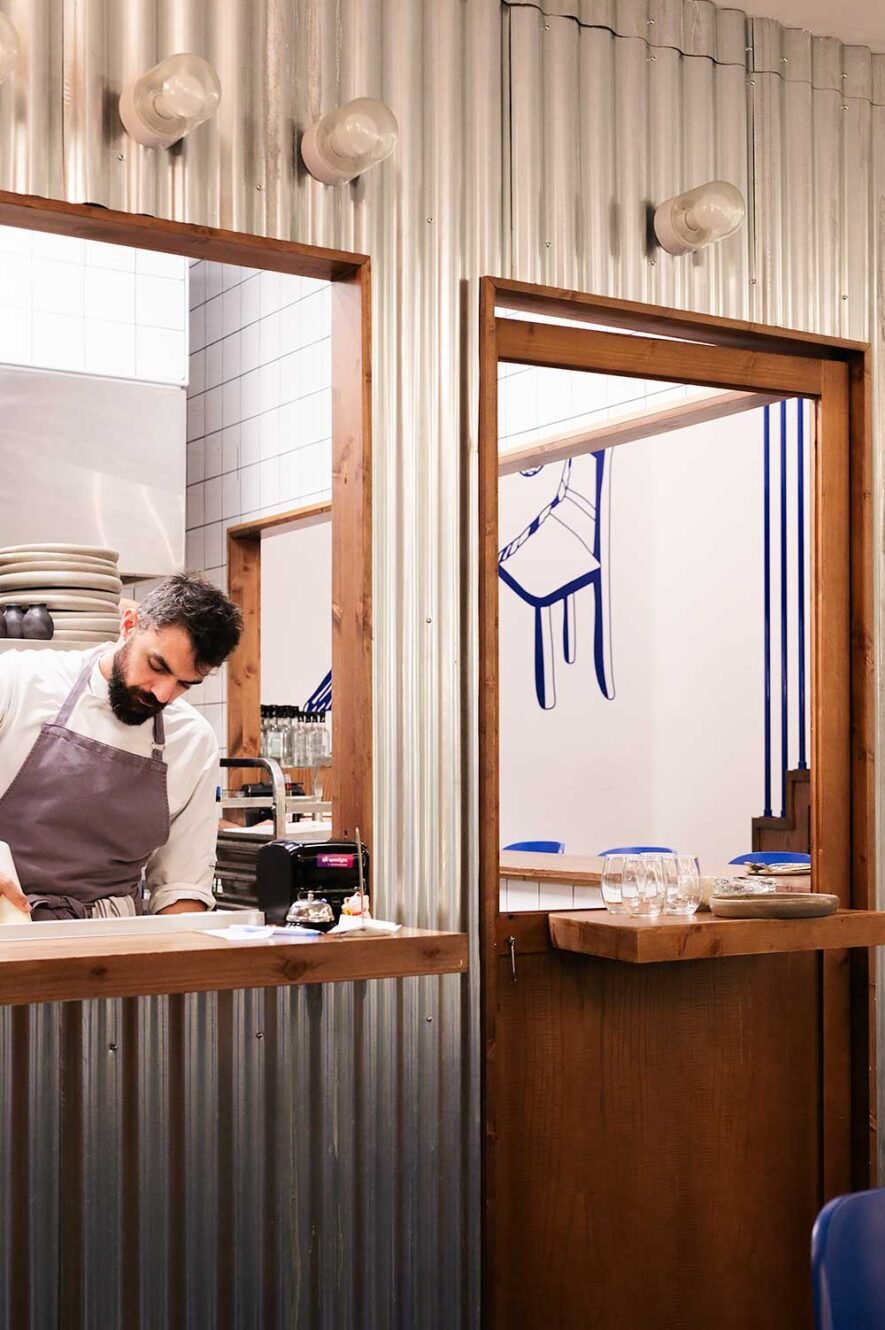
[(184, 868)]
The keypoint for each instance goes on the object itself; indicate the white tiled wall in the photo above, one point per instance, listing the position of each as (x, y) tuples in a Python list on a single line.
[(519, 893), (259, 413), (86, 307)]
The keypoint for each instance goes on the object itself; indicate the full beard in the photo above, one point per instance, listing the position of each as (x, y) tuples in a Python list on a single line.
[(130, 705)]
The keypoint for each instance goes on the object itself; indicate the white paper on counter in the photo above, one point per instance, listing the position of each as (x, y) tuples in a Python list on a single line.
[(353, 923), (266, 933)]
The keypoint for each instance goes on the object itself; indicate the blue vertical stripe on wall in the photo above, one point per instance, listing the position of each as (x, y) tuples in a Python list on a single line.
[(800, 574), (766, 574)]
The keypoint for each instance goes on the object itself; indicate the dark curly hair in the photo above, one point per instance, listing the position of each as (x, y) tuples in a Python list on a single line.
[(213, 622)]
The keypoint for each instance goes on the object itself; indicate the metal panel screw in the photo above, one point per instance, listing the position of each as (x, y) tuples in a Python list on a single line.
[(652, 262), (428, 620), (650, 59), (752, 281), (259, 1034), (429, 1020), (430, 219), (259, 186), (844, 297), (547, 244), (752, 83), (112, 1048), (121, 156), (649, 22), (843, 108)]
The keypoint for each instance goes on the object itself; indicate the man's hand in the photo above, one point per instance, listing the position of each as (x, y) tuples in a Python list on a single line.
[(183, 907), (14, 894)]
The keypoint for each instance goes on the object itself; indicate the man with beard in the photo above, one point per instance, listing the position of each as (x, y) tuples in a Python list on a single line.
[(105, 769)]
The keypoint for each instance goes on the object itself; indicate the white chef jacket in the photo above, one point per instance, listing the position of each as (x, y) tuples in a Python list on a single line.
[(33, 686)]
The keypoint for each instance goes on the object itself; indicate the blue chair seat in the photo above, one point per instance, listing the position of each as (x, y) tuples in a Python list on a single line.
[(772, 857), (847, 1269), (637, 849), (538, 846)]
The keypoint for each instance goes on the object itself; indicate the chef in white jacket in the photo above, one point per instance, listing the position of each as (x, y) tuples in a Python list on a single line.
[(106, 770)]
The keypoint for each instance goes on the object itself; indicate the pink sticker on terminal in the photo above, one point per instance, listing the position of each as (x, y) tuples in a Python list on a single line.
[(335, 860)]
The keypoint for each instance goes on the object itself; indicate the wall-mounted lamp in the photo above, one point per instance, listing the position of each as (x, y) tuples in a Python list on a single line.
[(8, 48), (698, 217), (349, 140), (170, 100)]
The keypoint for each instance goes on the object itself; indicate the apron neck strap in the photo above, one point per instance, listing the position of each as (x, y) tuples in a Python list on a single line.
[(73, 697)]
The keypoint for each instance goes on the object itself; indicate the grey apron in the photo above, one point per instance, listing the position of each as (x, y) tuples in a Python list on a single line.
[(82, 818)]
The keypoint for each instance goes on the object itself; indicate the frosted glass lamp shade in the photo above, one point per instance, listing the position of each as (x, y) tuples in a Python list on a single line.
[(170, 100), (699, 217), (8, 48), (349, 140)]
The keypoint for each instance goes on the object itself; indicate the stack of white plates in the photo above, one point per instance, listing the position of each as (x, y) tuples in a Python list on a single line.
[(79, 585)]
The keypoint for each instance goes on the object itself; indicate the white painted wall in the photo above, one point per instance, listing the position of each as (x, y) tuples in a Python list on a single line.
[(296, 612), (677, 757)]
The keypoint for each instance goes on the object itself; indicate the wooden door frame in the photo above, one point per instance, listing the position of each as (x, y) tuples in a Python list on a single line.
[(728, 354), (350, 276)]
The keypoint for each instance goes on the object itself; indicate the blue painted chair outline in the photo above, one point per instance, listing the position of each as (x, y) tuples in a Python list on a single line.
[(537, 846), (772, 857), (578, 529), (847, 1270), (636, 849)]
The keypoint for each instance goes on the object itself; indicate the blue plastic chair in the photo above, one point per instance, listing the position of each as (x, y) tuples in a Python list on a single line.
[(847, 1269), (772, 857), (538, 846), (637, 849)]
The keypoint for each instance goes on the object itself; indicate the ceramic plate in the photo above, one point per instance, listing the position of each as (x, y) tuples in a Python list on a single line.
[(11, 563), (95, 581), (63, 600), (101, 623), (89, 551), (783, 905)]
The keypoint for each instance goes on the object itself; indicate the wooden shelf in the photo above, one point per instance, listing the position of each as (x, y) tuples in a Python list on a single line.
[(645, 941), (62, 969)]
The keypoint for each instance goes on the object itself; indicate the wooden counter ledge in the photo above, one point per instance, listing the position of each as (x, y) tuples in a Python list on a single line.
[(643, 941), (62, 970)]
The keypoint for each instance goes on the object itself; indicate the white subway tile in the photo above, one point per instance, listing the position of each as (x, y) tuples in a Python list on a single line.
[(15, 335), (231, 311), (160, 355), (292, 376), (290, 476), (57, 287), (522, 894), (316, 416), (230, 448), (214, 320), (230, 496), (196, 283), (109, 294), (16, 240), (251, 298), (250, 488), (290, 329), (214, 364), (270, 434), (15, 281), (210, 690), (158, 263), (212, 500), (109, 348), (317, 366), (213, 544), (270, 481), (57, 341), (98, 254), (316, 315), (214, 280), (196, 465), (159, 302), (587, 898), (196, 372), (250, 348), (195, 506), (194, 549), (290, 288), (231, 403), (270, 385), (196, 417), (310, 285), (270, 292), (231, 356), (197, 326), (291, 435), (213, 454), (214, 400), (269, 338), (250, 441), (250, 394), (45, 245), (556, 896), (231, 275)]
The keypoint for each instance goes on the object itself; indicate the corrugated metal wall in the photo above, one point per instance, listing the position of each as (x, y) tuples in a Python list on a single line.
[(309, 1158)]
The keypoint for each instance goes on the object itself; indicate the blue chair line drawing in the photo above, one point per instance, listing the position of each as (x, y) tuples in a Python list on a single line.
[(847, 1270), (636, 849), (772, 857), (537, 846), (570, 533)]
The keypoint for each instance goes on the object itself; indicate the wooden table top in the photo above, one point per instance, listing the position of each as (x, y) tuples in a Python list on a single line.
[(63, 969), (586, 869)]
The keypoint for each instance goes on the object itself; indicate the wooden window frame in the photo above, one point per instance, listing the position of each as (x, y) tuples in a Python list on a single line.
[(732, 355), (350, 278)]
